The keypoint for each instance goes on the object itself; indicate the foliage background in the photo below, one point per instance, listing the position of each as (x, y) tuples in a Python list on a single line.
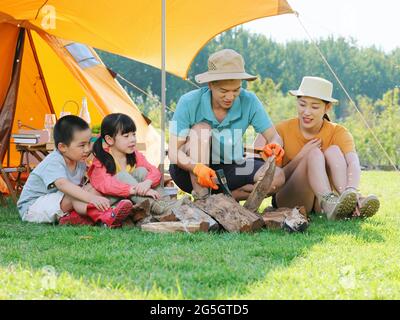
[(371, 76)]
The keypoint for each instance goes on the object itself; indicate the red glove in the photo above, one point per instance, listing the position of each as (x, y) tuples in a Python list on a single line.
[(204, 176), (273, 149)]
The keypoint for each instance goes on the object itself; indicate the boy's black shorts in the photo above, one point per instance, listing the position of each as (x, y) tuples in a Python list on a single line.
[(237, 175)]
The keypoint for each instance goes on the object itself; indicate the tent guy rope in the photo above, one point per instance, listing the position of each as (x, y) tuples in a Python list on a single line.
[(345, 91)]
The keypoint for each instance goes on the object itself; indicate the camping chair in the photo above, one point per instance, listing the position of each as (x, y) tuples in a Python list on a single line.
[(12, 176), (12, 183), (6, 174)]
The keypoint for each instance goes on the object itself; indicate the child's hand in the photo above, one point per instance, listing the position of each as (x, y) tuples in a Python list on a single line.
[(153, 193), (143, 187), (100, 203)]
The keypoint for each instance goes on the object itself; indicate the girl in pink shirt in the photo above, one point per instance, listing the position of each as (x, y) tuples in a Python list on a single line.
[(120, 171)]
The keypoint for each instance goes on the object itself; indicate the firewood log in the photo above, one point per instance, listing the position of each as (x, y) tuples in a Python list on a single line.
[(170, 227), (230, 214), (192, 214), (262, 186)]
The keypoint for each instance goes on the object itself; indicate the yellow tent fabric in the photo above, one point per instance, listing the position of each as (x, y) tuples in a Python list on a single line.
[(133, 28), (8, 36), (50, 77)]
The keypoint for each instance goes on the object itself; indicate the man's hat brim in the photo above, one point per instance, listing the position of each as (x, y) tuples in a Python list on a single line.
[(210, 76)]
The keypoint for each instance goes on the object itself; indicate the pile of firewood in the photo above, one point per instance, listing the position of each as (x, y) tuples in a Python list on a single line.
[(222, 212), (217, 212)]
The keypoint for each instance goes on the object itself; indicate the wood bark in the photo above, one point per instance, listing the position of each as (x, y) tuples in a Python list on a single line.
[(262, 186), (230, 214), (170, 227), (274, 218), (192, 214)]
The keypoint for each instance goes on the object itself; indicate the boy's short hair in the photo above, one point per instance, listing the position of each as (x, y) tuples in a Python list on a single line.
[(66, 127)]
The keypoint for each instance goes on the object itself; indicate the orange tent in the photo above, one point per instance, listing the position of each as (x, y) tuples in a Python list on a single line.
[(132, 28), (40, 74)]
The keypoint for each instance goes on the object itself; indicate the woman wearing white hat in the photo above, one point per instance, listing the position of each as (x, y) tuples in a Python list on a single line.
[(320, 158)]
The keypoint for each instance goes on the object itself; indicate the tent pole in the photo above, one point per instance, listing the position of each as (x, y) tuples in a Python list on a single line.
[(163, 89)]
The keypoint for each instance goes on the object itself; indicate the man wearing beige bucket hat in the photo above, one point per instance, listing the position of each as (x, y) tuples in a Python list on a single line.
[(321, 166), (207, 129)]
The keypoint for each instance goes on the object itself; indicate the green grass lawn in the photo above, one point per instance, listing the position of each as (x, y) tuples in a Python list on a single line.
[(357, 259)]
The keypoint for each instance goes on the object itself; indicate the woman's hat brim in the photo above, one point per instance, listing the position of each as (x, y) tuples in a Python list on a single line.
[(298, 93)]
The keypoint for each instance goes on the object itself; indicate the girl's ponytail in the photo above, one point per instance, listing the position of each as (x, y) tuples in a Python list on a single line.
[(104, 157)]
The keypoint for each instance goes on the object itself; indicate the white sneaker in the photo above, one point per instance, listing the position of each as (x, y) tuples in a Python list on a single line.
[(369, 206), (337, 208)]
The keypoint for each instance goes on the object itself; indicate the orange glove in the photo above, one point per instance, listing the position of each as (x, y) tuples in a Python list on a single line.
[(274, 149), (205, 175)]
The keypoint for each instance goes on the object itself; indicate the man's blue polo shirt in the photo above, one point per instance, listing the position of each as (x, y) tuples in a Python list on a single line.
[(227, 136)]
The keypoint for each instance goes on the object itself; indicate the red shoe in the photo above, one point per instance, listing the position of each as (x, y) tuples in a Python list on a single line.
[(74, 218), (113, 217)]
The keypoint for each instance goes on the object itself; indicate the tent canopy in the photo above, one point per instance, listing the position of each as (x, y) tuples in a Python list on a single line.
[(133, 28), (52, 71), (54, 75)]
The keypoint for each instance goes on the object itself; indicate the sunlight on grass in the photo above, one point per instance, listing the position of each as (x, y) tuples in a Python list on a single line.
[(355, 259), (357, 264), (19, 283)]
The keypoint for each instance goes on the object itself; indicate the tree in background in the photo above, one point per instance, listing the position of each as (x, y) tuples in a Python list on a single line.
[(383, 117), (368, 74), (364, 71), (279, 106)]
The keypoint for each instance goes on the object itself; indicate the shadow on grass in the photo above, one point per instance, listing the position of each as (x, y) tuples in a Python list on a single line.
[(190, 266)]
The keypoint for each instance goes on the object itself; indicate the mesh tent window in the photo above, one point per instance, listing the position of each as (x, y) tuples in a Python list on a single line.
[(82, 55)]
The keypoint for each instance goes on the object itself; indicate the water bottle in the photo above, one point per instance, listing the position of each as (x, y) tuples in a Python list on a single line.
[(84, 114)]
